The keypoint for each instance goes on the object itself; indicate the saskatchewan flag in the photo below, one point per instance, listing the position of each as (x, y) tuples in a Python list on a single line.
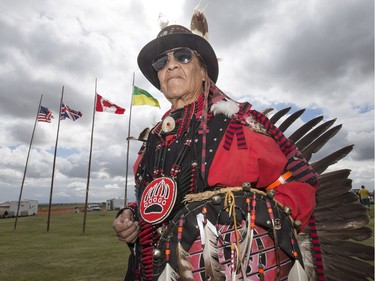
[(141, 97)]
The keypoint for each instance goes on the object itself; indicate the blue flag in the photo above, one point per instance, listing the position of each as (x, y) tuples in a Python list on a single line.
[(67, 112), (44, 115)]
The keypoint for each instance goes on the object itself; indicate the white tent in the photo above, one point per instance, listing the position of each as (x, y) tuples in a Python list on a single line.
[(115, 204), (27, 208)]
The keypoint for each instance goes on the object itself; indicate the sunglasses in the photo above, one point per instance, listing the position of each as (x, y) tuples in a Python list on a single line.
[(182, 55)]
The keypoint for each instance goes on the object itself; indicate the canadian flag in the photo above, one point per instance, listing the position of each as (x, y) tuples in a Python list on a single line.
[(105, 105)]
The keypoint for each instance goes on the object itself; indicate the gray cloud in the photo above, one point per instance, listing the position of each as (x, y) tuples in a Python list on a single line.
[(318, 55)]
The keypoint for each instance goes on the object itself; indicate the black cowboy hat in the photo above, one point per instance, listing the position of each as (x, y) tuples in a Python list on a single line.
[(171, 37)]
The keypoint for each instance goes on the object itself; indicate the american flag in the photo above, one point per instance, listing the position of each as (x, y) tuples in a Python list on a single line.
[(44, 115), (67, 112)]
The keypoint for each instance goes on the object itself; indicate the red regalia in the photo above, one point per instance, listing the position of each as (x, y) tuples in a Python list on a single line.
[(244, 154)]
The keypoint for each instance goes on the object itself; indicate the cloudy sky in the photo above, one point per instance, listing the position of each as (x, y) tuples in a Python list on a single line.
[(311, 54)]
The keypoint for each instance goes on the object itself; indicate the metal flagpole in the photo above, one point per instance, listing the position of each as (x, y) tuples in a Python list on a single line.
[(89, 168), (27, 160), (54, 162), (128, 145)]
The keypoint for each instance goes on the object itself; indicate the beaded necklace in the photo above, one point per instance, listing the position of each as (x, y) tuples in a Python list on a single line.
[(180, 127)]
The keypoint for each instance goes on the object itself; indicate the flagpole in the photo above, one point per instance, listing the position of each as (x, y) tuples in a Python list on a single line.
[(27, 161), (54, 162), (128, 145), (89, 168)]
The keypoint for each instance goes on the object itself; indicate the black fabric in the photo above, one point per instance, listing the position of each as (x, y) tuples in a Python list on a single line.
[(149, 159), (217, 127), (132, 265)]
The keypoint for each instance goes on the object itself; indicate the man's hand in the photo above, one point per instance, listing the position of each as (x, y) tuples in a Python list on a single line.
[(126, 229)]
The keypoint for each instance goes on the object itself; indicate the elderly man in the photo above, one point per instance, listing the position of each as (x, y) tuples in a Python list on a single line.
[(220, 191)]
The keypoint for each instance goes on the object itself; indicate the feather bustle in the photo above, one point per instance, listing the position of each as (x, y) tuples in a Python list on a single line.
[(342, 212), (358, 234), (289, 121), (267, 110), (300, 132), (338, 215), (351, 267), (333, 190), (349, 248), (333, 176), (321, 165), (343, 224), (317, 144), (279, 114), (314, 134), (336, 194)]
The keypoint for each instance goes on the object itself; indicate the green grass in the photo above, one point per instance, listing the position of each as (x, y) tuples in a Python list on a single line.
[(64, 253), (370, 241)]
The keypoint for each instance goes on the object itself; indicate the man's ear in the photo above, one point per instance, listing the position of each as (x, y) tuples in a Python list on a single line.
[(203, 72)]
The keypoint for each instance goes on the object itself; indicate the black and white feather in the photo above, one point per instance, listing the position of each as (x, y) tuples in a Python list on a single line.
[(340, 218)]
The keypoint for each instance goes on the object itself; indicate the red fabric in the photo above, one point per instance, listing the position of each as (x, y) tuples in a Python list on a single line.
[(300, 197), (263, 162), (137, 162)]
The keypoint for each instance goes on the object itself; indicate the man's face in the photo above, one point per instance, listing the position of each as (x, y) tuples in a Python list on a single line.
[(181, 83)]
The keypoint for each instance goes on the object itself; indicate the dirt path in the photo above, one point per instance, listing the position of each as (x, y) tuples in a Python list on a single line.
[(56, 211)]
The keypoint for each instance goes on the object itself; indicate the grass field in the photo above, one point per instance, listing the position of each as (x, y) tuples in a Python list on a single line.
[(65, 253), (371, 225)]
